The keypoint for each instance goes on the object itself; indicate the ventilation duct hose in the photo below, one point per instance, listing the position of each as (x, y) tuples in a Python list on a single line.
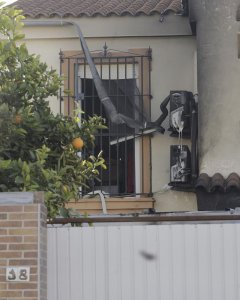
[(159, 121), (109, 107)]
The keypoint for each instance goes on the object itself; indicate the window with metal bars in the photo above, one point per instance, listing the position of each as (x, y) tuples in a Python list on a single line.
[(126, 77)]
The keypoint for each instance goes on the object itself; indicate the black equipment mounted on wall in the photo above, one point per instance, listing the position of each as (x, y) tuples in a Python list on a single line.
[(182, 124), (180, 115), (180, 164)]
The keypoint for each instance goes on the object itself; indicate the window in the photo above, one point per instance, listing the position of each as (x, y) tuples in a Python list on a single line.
[(126, 77)]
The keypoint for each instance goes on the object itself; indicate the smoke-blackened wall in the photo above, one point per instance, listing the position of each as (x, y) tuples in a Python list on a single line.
[(218, 84)]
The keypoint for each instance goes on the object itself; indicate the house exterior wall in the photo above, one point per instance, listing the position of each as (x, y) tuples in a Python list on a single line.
[(173, 67), (219, 74)]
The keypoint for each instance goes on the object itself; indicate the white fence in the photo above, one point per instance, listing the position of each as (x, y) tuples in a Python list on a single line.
[(145, 262)]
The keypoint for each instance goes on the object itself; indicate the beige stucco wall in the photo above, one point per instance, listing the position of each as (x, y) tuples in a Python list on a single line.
[(173, 67)]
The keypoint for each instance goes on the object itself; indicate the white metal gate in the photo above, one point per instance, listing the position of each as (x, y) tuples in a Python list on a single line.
[(145, 262)]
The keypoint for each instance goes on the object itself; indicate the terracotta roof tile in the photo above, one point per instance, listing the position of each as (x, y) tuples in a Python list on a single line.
[(218, 183), (76, 8)]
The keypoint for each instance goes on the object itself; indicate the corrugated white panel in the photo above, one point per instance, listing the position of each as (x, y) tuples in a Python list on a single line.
[(145, 262)]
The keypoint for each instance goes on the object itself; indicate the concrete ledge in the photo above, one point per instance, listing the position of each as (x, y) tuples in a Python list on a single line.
[(21, 197)]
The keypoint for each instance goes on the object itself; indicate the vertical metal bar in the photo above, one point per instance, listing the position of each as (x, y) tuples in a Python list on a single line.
[(84, 102), (109, 131), (101, 114), (84, 84), (133, 142), (149, 80), (76, 91), (75, 88), (142, 161), (68, 99), (93, 94), (150, 112), (141, 66), (60, 92), (117, 97), (125, 127), (91, 114), (142, 89)]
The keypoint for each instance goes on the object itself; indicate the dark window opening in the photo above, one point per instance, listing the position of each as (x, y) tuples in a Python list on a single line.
[(118, 151)]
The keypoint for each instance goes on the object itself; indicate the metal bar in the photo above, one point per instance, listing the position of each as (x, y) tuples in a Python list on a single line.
[(109, 130), (60, 92), (117, 145), (91, 113), (149, 218), (142, 107), (142, 90), (93, 96), (101, 114), (68, 99), (135, 65), (125, 128), (84, 90), (150, 81), (84, 84), (150, 112), (76, 91)]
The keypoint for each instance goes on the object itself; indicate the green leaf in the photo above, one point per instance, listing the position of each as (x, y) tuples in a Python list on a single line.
[(19, 180), (64, 212), (18, 37)]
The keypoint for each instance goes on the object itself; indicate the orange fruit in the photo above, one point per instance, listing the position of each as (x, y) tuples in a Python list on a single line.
[(77, 143), (18, 119)]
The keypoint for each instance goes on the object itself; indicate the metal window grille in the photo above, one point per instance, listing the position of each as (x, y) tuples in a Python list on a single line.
[(126, 77)]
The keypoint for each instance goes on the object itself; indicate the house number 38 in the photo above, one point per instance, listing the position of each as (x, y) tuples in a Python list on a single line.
[(18, 273)]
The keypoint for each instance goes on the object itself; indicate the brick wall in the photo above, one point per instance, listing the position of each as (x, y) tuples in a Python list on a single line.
[(23, 243)]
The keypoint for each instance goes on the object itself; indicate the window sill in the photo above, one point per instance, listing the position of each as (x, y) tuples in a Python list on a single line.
[(123, 205)]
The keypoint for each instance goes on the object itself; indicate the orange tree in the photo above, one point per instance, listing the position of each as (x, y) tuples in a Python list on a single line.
[(39, 151)]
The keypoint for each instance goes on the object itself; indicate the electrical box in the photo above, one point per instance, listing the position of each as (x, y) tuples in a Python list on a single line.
[(183, 123), (180, 113), (180, 164)]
